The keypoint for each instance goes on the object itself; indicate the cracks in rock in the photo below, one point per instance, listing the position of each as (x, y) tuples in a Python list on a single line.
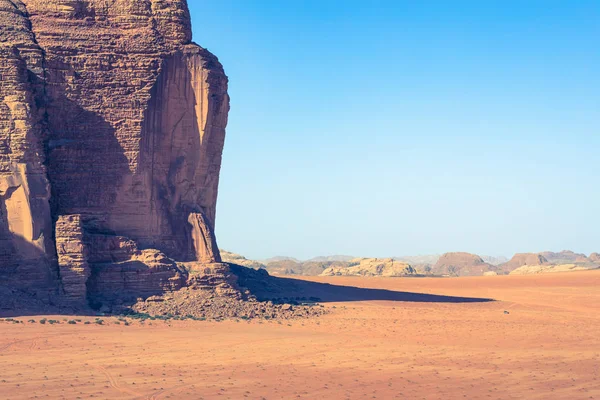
[(15, 6)]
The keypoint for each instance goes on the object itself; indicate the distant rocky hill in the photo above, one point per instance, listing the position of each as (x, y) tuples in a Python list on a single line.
[(429, 259), (331, 258), (494, 260), (384, 267), (564, 257), (279, 258), (308, 268), (233, 258), (548, 261), (541, 269), (449, 264), (522, 259), (461, 264)]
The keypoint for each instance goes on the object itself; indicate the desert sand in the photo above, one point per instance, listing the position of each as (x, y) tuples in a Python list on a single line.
[(538, 340)]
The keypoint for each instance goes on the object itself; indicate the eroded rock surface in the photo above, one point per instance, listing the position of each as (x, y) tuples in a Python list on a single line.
[(112, 125)]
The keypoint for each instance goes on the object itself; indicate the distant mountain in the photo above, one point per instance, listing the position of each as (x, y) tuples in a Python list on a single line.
[(522, 259), (449, 264), (564, 257), (494, 260), (461, 264), (279, 258), (233, 258), (308, 268), (543, 269), (384, 267), (331, 258), (423, 259)]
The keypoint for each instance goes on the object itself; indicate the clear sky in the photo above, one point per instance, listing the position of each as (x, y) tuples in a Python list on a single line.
[(389, 128)]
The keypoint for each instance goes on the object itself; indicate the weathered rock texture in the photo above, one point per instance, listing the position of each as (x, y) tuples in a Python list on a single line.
[(112, 124), (72, 257)]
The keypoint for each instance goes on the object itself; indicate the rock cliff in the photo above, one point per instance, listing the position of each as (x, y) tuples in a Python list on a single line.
[(112, 125)]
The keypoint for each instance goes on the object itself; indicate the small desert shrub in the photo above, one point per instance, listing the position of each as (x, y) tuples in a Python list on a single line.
[(72, 322), (43, 321)]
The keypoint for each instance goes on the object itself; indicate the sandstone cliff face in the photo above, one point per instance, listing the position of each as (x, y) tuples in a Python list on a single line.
[(113, 121)]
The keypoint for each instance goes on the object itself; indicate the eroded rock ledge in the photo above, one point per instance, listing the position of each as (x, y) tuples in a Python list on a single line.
[(112, 125)]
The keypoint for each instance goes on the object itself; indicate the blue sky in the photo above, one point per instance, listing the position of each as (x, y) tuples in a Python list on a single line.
[(389, 128)]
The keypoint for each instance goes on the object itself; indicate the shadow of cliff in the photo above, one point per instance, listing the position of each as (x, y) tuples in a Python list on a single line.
[(267, 287), (22, 264), (86, 163)]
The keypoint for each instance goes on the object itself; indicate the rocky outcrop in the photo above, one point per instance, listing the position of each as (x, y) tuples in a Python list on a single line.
[(146, 273), (544, 269), (522, 259), (564, 257), (112, 125), (234, 258), (384, 267), (595, 258), (461, 264)]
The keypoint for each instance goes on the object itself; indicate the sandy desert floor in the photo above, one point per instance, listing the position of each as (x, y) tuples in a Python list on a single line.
[(546, 347)]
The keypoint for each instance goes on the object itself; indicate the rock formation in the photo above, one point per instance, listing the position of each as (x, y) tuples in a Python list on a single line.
[(234, 258), (543, 269), (461, 264), (385, 267), (595, 258), (522, 259), (112, 125), (564, 257)]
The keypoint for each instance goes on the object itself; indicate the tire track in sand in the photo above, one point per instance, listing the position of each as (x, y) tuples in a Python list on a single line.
[(115, 385)]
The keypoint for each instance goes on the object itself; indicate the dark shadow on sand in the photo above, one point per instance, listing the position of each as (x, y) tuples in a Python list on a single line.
[(266, 287)]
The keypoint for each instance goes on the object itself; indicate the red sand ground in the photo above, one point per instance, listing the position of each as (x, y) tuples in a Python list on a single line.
[(547, 347)]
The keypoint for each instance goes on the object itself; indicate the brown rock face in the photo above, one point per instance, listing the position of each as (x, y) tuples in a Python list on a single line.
[(594, 257), (112, 125), (522, 259), (461, 264), (564, 257)]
